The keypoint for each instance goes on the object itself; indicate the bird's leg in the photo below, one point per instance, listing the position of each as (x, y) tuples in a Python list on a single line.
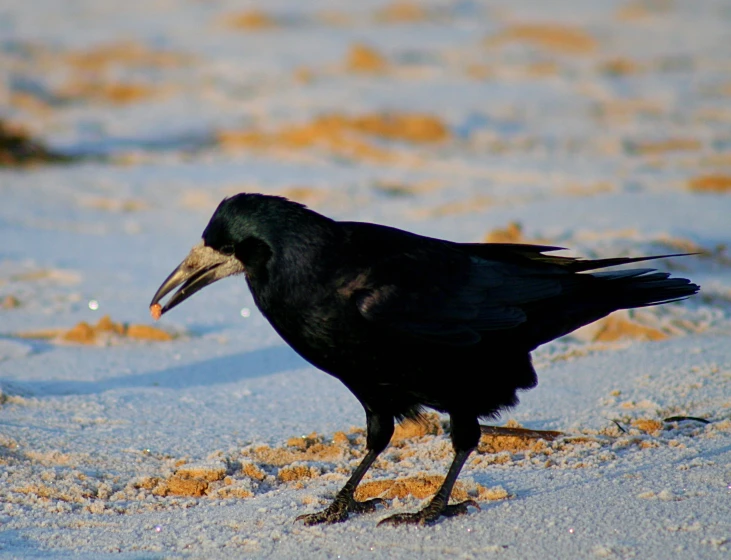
[(380, 430), (438, 505), (344, 501), (465, 437)]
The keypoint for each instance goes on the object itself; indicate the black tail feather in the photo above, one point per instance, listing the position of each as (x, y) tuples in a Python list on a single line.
[(601, 294), (580, 265), (648, 289)]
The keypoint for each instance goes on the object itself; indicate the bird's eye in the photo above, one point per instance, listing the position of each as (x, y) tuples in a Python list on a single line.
[(227, 250)]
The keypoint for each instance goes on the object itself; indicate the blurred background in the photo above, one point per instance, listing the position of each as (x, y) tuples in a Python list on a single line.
[(601, 126)]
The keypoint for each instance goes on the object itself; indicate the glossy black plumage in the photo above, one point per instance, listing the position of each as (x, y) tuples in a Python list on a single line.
[(406, 321)]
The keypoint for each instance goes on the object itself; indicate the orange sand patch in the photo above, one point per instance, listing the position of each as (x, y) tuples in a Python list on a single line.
[(233, 491), (542, 69), (345, 135), (428, 425), (126, 54), (251, 20), (620, 67), (304, 442), (146, 332), (512, 444), (341, 438), (485, 494), (640, 10), (512, 233), (53, 458), (364, 59), (711, 184), (180, 486), (91, 72), (117, 93), (404, 127), (193, 480), (310, 448), (619, 325), (648, 425), (210, 473), (313, 135), (402, 12), (82, 333), (292, 473), (420, 487), (47, 492), (562, 39), (252, 471), (305, 195), (105, 331), (425, 486)]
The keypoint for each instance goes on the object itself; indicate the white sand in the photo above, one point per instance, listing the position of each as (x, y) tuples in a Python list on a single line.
[(93, 437)]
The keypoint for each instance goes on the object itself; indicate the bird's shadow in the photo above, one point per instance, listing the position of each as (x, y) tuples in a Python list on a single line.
[(222, 370)]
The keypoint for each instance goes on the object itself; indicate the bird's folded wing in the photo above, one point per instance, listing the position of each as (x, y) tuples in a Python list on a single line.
[(450, 298)]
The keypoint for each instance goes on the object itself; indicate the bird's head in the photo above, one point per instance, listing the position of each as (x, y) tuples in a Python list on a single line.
[(241, 237)]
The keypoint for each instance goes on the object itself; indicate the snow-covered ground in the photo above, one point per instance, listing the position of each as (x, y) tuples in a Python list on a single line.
[(600, 126)]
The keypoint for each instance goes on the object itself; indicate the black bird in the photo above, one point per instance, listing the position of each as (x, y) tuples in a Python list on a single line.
[(408, 322)]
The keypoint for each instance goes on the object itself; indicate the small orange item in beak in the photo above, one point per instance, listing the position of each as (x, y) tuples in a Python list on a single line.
[(156, 311)]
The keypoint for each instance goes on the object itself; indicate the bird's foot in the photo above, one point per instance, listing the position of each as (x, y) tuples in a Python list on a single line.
[(429, 514), (339, 510)]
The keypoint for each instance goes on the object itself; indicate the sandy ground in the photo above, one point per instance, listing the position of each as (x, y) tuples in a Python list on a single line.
[(602, 127)]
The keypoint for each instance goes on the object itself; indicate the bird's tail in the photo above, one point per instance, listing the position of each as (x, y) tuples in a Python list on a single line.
[(597, 294), (643, 287)]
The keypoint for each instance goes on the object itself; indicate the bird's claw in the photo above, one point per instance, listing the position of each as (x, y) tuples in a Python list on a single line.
[(429, 514), (366, 506), (460, 508), (339, 510)]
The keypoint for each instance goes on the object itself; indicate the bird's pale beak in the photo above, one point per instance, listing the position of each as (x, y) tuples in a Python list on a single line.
[(202, 266)]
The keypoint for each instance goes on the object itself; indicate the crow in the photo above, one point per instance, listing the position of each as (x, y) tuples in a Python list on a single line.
[(408, 322)]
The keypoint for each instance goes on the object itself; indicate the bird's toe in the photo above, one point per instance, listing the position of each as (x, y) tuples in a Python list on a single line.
[(329, 516), (367, 506), (339, 510), (406, 519), (429, 514), (453, 510)]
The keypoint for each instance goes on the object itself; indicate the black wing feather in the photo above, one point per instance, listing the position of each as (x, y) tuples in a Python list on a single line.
[(450, 297), (452, 293)]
